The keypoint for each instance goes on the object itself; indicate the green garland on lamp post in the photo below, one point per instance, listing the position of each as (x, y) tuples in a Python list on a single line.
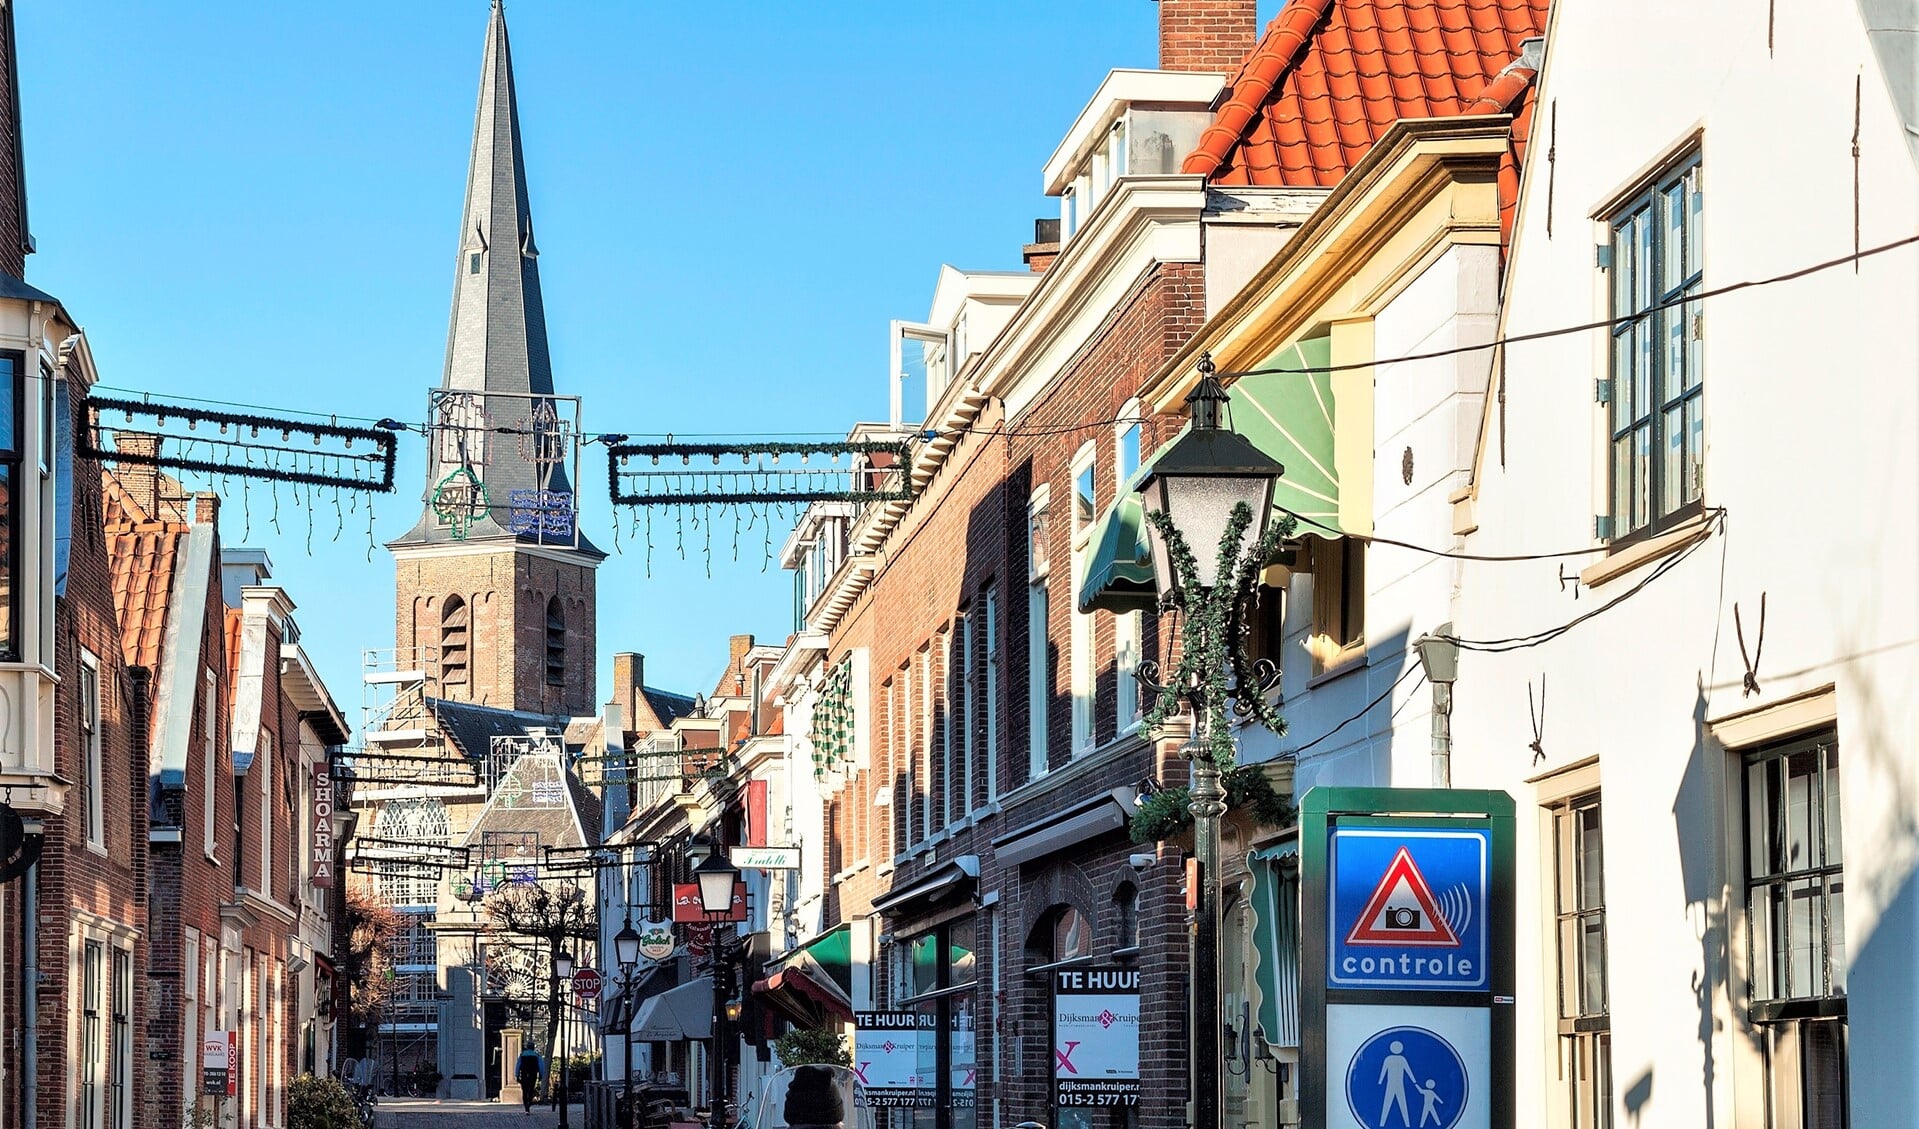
[(1211, 645)]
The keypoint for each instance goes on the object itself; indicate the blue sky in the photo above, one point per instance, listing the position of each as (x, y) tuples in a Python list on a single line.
[(259, 203)]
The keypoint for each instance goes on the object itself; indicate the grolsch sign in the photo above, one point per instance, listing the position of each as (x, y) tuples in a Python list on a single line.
[(322, 862)]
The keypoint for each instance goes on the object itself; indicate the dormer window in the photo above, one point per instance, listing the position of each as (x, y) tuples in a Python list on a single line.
[(473, 263)]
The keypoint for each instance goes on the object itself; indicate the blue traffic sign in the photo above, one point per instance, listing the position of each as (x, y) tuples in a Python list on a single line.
[(1407, 1078), (1409, 909)]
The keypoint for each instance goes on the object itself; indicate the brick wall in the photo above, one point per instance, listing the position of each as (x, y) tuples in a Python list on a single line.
[(13, 195), (966, 532), (507, 592), (1206, 35)]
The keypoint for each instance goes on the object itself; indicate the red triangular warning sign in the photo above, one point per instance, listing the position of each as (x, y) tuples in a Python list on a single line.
[(1402, 910)]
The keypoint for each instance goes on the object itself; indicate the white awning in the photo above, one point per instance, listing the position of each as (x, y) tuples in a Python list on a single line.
[(677, 1014)]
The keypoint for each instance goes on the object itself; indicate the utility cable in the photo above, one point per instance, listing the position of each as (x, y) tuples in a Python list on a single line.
[(1495, 557), (1415, 668)]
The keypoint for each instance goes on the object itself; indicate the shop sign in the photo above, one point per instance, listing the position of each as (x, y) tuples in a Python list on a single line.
[(1095, 1037), (321, 866), (764, 858), (656, 939), (894, 1056), (1407, 973), (689, 910)]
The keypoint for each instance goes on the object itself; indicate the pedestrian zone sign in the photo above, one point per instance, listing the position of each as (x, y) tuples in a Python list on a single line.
[(1409, 1068), (1409, 909)]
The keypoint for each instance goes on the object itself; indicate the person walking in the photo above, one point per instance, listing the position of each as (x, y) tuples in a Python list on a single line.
[(527, 1071)]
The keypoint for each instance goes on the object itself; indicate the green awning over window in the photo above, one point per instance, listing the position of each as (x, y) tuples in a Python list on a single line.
[(1275, 898), (1119, 567), (1289, 415)]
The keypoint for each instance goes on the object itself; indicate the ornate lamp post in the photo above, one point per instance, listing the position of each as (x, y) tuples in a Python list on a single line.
[(562, 972), (1213, 489), (717, 877), (626, 949)]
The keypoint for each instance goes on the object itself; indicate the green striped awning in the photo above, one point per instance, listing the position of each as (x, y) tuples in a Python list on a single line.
[(1119, 568), (832, 730), (1289, 415), (1275, 898)]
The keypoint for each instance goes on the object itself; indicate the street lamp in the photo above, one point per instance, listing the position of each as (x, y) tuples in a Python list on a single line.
[(717, 878), (1211, 490), (1439, 657), (626, 949), (562, 974)]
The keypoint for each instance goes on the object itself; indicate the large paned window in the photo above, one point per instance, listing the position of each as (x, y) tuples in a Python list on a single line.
[(989, 632), (190, 992), (263, 770), (1795, 898), (209, 760), (1339, 600), (937, 974), (1579, 908), (1084, 665), (1656, 418), (1128, 627), (1039, 646), (93, 1033), (12, 401), (120, 1078), (92, 781), (961, 731)]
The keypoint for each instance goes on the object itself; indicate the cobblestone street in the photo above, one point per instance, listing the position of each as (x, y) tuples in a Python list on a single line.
[(427, 1113)]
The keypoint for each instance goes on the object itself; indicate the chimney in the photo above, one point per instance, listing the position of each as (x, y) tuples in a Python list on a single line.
[(1040, 253), (206, 509), (141, 482), (629, 677), (1206, 35), (733, 682)]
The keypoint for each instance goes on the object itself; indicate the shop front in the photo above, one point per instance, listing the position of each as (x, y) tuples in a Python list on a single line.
[(923, 1044)]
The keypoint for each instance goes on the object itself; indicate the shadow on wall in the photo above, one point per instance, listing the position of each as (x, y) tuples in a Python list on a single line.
[(1699, 822), (1637, 1095)]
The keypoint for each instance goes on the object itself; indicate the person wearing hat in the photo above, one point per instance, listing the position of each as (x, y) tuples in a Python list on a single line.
[(812, 1100)]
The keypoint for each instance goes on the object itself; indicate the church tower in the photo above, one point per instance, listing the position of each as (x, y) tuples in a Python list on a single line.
[(495, 584)]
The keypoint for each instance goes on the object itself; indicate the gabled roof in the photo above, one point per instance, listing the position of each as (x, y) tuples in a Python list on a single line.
[(1329, 77), (538, 794), (141, 556), (472, 727), (666, 705)]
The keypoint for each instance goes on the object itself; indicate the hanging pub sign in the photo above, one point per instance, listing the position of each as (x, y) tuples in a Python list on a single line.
[(894, 1055), (689, 910), (1407, 980), (1095, 1037), (321, 865), (656, 939)]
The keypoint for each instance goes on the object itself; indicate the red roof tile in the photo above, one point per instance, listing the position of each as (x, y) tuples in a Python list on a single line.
[(1329, 77), (140, 559)]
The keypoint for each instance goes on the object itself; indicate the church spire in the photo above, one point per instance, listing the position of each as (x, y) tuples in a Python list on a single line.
[(497, 342), (497, 464)]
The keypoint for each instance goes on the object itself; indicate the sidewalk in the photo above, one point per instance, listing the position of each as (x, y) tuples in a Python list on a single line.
[(431, 1113)]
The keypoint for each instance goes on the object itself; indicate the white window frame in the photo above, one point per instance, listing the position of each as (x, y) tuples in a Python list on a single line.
[(1128, 641), (210, 763), (92, 766), (190, 1014), (953, 795), (989, 609), (1039, 681), (263, 764), (1082, 661), (929, 739), (963, 632)]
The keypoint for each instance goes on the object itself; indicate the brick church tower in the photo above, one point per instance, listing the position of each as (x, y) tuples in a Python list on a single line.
[(496, 581)]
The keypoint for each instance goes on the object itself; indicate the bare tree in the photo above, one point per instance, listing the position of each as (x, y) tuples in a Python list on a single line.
[(370, 928), (555, 915)]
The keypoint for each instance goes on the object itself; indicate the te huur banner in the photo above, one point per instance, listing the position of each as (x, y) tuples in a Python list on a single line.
[(1095, 1037), (1406, 988), (895, 1055)]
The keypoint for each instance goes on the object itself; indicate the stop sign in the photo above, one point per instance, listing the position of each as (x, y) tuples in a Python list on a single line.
[(586, 984)]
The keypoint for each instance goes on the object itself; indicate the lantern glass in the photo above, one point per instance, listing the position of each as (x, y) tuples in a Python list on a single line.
[(626, 946), (1200, 506), (716, 878), (563, 966)]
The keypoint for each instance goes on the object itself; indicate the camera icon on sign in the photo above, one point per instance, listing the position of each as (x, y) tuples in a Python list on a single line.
[(1401, 917)]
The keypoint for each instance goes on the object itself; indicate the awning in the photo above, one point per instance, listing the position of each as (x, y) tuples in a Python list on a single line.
[(1104, 813), (1288, 415), (948, 881), (620, 1011), (815, 980), (1119, 566), (677, 1014), (1275, 898)]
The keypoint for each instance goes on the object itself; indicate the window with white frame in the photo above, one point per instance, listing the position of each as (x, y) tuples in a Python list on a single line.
[(1039, 650), (209, 761), (928, 742), (1084, 668), (1579, 911), (93, 1034), (1656, 415), (966, 719), (120, 1044), (953, 724), (263, 766), (92, 770), (989, 732), (190, 991), (1796, 909), (1128, 627)]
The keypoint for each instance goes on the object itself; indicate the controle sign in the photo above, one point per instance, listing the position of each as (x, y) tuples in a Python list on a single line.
[(1409, 909)]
